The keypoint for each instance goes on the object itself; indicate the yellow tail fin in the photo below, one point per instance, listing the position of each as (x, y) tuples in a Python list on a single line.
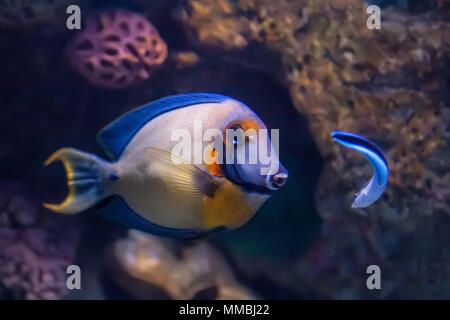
[(86, 174)]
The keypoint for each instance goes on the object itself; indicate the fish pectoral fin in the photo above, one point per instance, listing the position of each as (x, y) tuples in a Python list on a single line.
[(182, 176)]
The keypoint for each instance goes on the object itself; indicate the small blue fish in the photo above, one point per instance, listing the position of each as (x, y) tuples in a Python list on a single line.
[(142, 188), (375, 187)]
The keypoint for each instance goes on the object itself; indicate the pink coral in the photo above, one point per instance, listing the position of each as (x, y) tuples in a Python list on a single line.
[(34, 250), (23, 269), (117, 49)]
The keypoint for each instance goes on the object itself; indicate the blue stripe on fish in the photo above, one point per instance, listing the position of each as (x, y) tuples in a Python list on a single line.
[(115, 137), (373, 153)]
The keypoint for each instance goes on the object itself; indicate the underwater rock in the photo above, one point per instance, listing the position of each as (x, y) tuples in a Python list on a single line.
[(414, 6), (34, 252), (186, 59), (388, 85), (183, 273), (117, 49)]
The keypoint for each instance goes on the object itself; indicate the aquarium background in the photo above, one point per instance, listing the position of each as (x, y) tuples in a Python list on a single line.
[(306, 67)]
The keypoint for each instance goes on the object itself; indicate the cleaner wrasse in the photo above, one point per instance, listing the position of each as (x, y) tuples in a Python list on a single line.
[(377, 184)]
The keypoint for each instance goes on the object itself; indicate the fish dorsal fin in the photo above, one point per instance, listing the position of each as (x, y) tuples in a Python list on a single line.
[(115, 137), (182, 176)]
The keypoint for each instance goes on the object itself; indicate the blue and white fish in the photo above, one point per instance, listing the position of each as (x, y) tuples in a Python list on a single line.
[(145, 189), (377, 184)]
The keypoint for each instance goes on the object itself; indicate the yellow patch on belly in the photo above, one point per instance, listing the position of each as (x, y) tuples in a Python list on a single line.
[(230, 207)]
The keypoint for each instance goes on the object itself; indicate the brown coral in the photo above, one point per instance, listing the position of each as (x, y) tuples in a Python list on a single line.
[(117, 49), (389, 85), (182, 275)]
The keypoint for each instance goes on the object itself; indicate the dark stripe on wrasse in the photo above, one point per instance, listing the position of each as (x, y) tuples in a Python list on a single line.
[(357, 140), (113, 177)]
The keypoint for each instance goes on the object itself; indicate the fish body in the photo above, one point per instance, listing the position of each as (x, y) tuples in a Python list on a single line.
[(377, 184), (145, 189)]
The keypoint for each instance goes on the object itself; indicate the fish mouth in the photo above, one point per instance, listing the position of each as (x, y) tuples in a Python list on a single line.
[(231, 172), (276, 181)]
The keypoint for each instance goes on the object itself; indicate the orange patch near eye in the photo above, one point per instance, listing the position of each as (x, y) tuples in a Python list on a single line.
[(244, 125), (249, 124), (212, 165)]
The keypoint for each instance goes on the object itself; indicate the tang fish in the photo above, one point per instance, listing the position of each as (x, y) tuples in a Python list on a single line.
[(377, 184), (145, 186)]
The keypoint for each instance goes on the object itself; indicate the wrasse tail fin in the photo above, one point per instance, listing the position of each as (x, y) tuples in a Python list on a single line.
[(86, 174)]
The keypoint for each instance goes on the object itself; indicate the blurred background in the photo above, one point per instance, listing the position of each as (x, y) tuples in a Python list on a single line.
[(307, 67)]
